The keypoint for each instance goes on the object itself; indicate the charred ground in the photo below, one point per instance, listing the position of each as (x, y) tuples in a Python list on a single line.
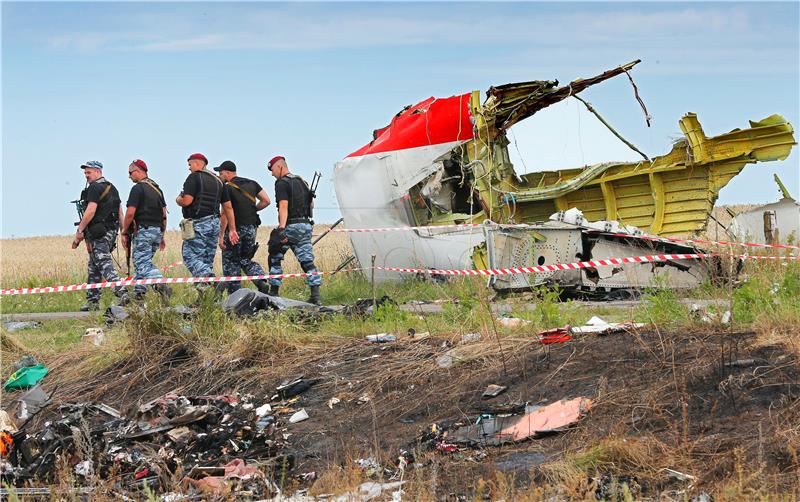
[(719, 405)]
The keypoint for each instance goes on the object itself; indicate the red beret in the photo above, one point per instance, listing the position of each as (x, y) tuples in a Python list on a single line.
[(273, 160), (140, 164), (198, 156)]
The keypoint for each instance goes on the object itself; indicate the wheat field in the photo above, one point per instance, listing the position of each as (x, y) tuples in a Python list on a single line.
[(47, 261)]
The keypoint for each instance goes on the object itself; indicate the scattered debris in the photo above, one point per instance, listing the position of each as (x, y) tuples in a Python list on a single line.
[(597, 326), (12, 326), (493, 391), (299, 416), (418, 336), (167, 435), (25, 377), (745, 363), (381, 338), (333, 402), (114, 314), (555, 335), (710, 316), (470, 338), (247, 302), (294, 387), (32, 401), (372, 490), (496, 430), (679, 475), (95, 336)]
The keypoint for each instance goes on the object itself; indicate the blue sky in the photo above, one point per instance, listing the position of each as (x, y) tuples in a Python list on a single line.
[(246, 81)]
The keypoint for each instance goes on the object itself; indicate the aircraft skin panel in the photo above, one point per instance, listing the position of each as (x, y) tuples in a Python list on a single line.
[(439, 160)]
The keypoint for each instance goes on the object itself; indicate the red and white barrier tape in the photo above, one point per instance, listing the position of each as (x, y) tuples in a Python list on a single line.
[(573, 266), (406, 229), (472, 272), (162, 280)]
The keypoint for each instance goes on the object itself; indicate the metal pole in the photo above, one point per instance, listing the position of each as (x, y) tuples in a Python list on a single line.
[(374, 297)]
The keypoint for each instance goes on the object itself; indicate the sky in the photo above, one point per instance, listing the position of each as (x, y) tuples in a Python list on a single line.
[(311, 81)]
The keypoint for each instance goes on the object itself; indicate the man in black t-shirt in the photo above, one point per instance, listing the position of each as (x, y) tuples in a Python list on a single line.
[(145, 223), (200, 200), (294, 201), (246, 198), (99, 225)]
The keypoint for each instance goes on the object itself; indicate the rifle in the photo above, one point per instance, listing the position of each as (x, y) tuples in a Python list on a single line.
[(80, 207), (129, 234), (313, 189)]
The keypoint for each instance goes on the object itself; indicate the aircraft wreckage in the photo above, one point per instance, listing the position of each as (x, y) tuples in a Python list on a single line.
[(445, 161)]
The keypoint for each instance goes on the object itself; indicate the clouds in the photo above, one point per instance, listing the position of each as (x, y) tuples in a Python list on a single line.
[(182, 27)]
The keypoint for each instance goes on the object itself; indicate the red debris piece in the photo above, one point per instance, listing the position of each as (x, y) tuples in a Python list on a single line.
[(556, 335)]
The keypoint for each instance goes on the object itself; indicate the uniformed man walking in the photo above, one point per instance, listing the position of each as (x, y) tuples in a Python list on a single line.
[(294, 201), (99, 226), (247, 198), (200, 200), (143, 227)]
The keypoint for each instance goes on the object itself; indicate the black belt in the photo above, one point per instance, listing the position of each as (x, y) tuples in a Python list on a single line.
[(291, 221)]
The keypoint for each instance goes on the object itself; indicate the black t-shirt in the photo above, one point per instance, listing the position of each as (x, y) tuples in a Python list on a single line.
[(149, 204), (293, 189), (107, 206), (244, 209), (207, 194)]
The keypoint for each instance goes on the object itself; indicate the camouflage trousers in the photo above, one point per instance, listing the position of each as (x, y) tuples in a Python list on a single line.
[(143, 248), (239, 258), (101, 265), (299, 235), (198, 253)]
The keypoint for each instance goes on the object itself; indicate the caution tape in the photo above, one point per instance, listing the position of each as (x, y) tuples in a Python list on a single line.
[(466, 272), (406, 229), (161, 280)]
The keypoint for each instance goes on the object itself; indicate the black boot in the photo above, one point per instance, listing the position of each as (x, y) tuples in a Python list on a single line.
[(262, 286), (314, 298), (90, 306), (164, 290), (124, 299), (273, 290)]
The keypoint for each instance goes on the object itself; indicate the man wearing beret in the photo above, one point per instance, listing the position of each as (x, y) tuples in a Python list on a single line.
[(294, 201), (200, 200), (99, 224), (144, 226), (246, 198)]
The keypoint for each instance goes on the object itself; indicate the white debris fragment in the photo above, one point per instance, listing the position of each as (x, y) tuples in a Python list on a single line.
[(95, 336), (264, 410), (299, 416), (598, 326)]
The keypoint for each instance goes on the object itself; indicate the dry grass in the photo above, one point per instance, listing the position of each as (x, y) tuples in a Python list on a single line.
[(50, 260)]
